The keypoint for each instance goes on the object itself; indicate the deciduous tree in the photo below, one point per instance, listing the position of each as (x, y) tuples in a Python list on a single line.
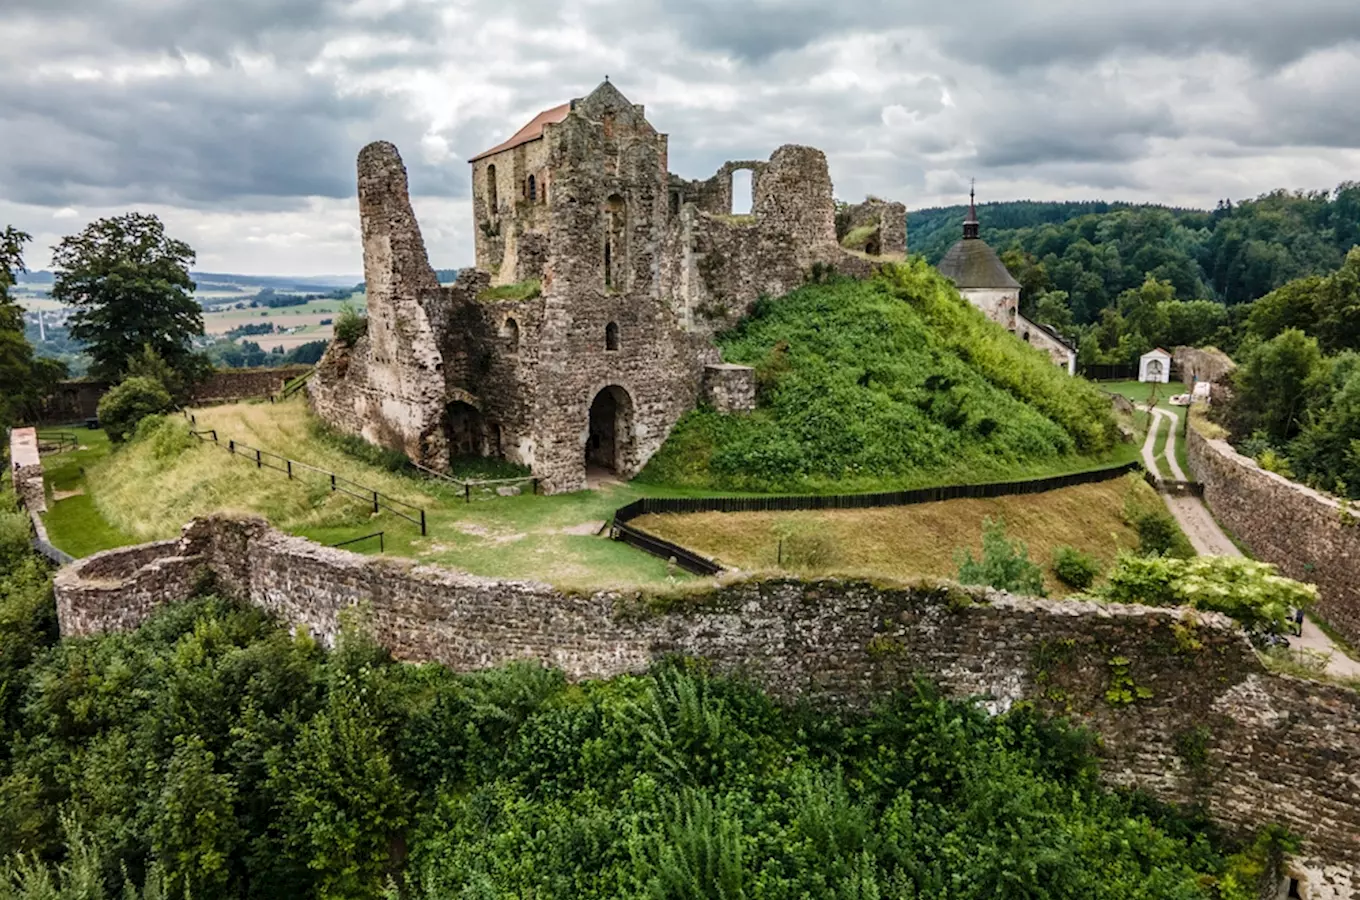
[(130, 287)]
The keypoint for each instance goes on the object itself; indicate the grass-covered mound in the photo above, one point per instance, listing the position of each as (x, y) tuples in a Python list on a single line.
[(213, 754), (891, 382)]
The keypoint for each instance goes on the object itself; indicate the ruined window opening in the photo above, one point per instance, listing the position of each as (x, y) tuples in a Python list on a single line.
[(1027, 336), (545, 191), (533, 190), (510, 331), (675, 203), (611, 336), (743, 192), (614, 235), (491, 189)]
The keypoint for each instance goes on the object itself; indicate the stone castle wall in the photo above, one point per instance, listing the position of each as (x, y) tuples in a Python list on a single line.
[(1212, 727), (389, 387), (72, 401), (1298, 529)]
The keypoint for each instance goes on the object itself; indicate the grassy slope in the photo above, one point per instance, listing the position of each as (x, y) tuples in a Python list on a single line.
[(914, 541), (895, 382), (150, 488)]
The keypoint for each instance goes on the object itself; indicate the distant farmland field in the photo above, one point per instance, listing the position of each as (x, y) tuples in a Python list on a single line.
[(306, 318)]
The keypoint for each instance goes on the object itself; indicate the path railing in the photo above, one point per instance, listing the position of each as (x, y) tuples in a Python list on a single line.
[(699, 564), (294, 469), (56, 441), (367, 537), (480, 487)]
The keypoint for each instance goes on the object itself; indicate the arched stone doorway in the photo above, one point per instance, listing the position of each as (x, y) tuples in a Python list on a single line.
[(609, 438), (465, 429)]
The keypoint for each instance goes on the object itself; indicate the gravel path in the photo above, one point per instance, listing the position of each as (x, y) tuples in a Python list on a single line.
[(1209, 540)]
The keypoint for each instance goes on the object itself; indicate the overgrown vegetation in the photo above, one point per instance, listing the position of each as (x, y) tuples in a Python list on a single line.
[(128, 403), (1251, 592), (350, 325), (888, 382), (520, 290), (1004, 564), (213, 754)]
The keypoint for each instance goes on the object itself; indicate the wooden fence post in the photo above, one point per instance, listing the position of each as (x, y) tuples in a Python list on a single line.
[(422, 523), (289, 464), (375, 501), (259, 463)]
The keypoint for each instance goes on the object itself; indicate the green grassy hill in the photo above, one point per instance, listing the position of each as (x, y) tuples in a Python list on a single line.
[(894, 382)]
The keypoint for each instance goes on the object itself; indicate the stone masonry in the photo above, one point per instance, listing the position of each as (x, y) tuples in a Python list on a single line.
[(1307, 534), (26, 469), (585, 331), (1215, 727)]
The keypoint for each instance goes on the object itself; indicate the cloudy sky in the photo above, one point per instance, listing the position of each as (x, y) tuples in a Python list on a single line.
[(237, 121)]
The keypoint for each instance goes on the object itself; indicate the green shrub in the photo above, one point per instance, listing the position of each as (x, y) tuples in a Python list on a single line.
[(350, 325), (805, 548), (1249, 591), (128, 403), (1075, 569), (1160, 535), (1005, 564)]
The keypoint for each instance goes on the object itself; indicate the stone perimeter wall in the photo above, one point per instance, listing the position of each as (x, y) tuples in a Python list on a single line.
[(1273, 747), (1296, 528)]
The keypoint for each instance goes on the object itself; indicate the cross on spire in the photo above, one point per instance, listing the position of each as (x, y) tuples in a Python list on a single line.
[(970, 224)]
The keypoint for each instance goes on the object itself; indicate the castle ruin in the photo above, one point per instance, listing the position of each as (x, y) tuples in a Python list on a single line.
[(585, 330)]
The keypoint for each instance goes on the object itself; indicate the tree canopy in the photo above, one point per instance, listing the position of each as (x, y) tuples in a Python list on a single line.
[(130, 287), (26, 378)]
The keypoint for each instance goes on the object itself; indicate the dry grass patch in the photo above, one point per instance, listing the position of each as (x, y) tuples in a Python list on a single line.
[(150, 488), (907, 542)]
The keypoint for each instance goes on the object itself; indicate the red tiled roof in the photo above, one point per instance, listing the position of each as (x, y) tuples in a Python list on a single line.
[(531, 132)]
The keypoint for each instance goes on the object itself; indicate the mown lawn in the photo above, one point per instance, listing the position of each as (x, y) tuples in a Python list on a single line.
[(908, 542), (73, 521), (1140, 392)]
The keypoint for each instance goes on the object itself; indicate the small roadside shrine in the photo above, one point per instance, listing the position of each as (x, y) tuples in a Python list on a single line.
[(1155, 365)]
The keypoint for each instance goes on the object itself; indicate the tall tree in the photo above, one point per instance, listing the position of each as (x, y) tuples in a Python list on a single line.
[(26, 379), (130, 286)]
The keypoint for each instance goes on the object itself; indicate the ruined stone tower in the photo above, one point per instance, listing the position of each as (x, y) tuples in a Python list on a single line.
[(585, 330)]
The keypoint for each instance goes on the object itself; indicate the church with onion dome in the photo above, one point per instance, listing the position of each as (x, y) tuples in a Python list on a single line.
[(983, 280)]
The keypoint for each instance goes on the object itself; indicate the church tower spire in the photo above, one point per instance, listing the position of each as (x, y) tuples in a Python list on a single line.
[(970, 224)]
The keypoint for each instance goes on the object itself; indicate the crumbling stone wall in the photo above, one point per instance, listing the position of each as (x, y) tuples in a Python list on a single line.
[(1202, 364), (26, 469), (1307, 534), (74, 400), (389, 387), (1204, 722), (730, 388), (889, 221)]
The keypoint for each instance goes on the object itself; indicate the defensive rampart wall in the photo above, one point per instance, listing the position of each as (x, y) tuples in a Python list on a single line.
[(1183, 706), (1308, 535)]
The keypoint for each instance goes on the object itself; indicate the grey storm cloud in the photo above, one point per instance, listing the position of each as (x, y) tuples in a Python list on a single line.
[(263, 104)]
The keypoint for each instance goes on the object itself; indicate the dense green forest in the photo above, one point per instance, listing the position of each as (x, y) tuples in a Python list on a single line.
[(893, 381), (211, 753), (1296, 395), (1120, 278)]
